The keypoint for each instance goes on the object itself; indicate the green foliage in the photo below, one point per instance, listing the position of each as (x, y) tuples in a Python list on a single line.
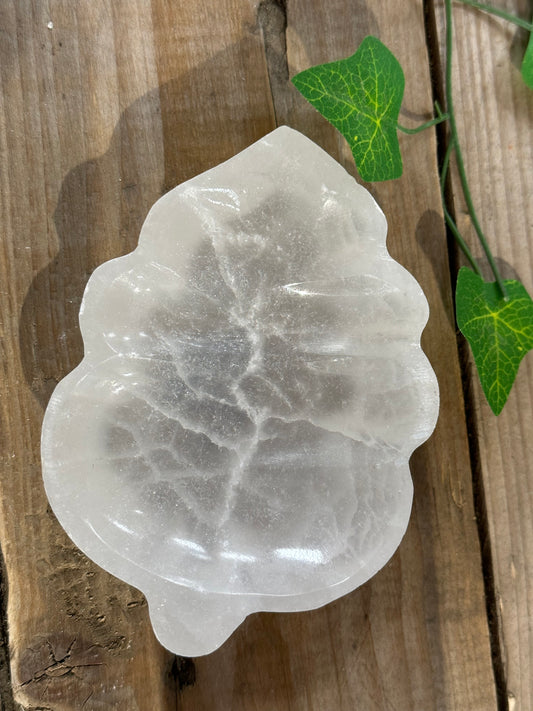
[(361, 96), (500, 331), (527, 63)]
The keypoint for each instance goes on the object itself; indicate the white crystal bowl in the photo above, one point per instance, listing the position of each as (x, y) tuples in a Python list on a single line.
[(238, 433)]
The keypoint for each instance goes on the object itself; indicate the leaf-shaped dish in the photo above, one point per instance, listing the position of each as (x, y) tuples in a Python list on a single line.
[(238, 433)]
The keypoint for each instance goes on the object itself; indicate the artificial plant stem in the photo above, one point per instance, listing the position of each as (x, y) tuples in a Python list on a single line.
[(423, 126), (458, 154), (447, 216), (500, 13)]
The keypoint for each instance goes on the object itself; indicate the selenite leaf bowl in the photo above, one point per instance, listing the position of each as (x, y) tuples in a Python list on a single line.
[(237, 435)]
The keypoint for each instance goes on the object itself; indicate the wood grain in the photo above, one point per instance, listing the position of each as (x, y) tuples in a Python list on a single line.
[(404, 640), (94, 93), (105, 106), (78, 638), (495, 114)]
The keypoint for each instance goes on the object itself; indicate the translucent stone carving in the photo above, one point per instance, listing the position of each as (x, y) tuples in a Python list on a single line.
[(238, 433)]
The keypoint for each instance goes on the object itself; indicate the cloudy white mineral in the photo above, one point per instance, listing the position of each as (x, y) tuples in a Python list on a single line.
[(238, 433)]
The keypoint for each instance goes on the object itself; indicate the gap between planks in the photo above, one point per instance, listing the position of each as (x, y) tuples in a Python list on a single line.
[(480, 505)]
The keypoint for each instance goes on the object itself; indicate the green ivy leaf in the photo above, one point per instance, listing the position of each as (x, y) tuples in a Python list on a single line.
[(500, 332), (361, 96), (527, 63)]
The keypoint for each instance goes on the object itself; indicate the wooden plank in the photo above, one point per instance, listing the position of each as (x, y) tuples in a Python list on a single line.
[(94, 96), (416, 636), (103, 111), (78, 638), (495, 117)]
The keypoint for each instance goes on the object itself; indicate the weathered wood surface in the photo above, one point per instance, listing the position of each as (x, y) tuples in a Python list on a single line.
[(105, 106), (495, 121)]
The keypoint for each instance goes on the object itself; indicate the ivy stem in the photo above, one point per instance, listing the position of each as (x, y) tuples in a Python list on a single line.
[(447, 216), (500, 13), (459, 156), (423, 126)]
